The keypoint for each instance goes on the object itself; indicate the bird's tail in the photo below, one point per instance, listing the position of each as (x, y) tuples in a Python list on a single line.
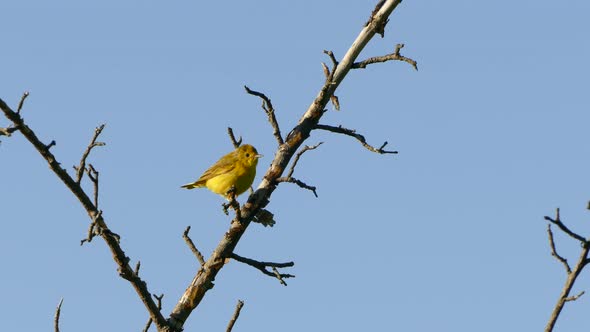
[(192, 185)]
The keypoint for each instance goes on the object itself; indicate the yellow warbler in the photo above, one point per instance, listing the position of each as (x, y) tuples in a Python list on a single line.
[(237, 168)]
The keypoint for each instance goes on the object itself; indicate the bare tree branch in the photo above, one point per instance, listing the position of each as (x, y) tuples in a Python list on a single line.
[(554, 251), (203, 279), (235, 316), (93, 175), (22, 102), (150, 321), (392, 56), (262, 267), (57, 313), (298, 155), (111, 240), (7, 131), (557, 221), (359, 137), (575, 297), (236, 143), (270, 112), (93, 143), (330, 75), (290, 179), (279, 276), (572, 274), (192, 246), (300, 183)]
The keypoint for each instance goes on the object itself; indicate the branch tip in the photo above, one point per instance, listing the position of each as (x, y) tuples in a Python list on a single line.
[(270, 112), (235, 316), (22, 102)]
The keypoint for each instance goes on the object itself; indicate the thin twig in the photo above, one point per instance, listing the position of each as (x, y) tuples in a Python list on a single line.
[(262, 267), (192, 246), (330, 76), (557, 221), (359, 137), (270, 112), (94, 229), (137, 267), (279, 276), (149, 322), (554, 251), (7, 131), (300, 183), (93, 143), (575, 297), (236, 143), (22, 102), (57, 313), (235, 316), (298, 155), (93, 175), (392, 56)]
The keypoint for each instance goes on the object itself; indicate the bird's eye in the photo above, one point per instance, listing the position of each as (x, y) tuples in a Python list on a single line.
[(247, 155)]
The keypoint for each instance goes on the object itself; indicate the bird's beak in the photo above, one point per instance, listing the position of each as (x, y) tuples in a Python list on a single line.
[(259, 155)]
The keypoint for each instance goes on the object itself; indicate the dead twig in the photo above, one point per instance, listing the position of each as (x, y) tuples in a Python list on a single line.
[(554, 251), (298, 155), (262, 267), (93, 175), (192, 246), (557, 221), (392, 56), (300, 183), (57, 313), (572, 273), (290, 179), (149, 322), (236, 143), (330, 76), (270, 112), (22, 102), (93, 143), (94, 229), (235, 316), (359, 137), (7, 131)]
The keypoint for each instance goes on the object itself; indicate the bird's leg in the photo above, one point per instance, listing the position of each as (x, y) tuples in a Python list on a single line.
[(230, 195)]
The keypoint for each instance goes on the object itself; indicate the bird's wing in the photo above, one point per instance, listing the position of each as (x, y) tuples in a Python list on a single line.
[(222, 166)]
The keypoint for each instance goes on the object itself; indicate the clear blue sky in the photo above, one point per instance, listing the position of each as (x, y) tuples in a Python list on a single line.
[(446, 236)]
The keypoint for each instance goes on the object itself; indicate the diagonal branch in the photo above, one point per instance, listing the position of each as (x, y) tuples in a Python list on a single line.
[(205, 275), (112, 242), (192, 246), (270, 112), (359, 137), (235, 316), (392, 56), (262, 267)]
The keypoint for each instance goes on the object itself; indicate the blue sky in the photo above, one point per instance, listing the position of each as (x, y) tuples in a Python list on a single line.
[(448, 235)]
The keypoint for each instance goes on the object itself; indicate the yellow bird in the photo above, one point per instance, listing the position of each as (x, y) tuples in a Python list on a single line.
[(237, 168)]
